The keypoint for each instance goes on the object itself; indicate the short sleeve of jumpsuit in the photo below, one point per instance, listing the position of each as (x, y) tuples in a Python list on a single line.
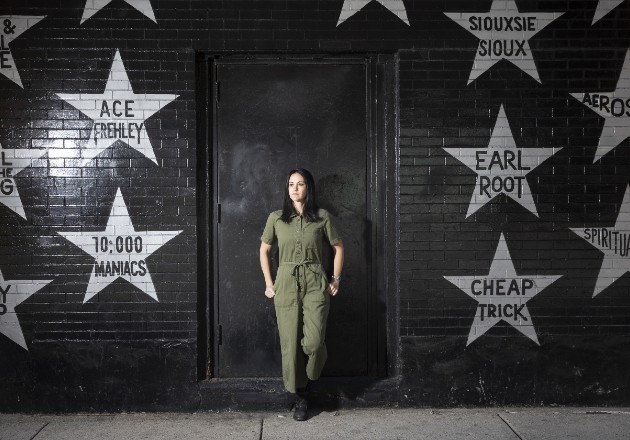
[(301, 301)]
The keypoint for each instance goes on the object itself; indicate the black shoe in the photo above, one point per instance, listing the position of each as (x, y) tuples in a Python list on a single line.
[(301, 409)]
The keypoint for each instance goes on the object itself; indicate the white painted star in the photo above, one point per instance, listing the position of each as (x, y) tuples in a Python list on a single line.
[(118, 113), (614, 243), (351, 7), (120, 251), (614, 107), (507, 29), (12, 294), (502, 167), (604, 7), (93, 6), (11, 27), (502, 295), (12, 161)]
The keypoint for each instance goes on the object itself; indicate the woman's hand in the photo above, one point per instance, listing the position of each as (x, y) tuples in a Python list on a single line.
[(265, 249), (270, 292), (333, 287)]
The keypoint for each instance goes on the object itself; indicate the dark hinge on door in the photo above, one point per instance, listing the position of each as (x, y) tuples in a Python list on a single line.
[(220, 335), (217, 91), (218, 213)]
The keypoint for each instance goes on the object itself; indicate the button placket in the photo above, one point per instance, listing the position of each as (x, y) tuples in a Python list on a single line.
[(298, 255), (299, 239)]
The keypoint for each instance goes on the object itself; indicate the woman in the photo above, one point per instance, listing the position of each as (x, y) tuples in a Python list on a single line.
[(301, 291)]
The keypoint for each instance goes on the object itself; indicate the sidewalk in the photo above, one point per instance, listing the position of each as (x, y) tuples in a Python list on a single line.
[(380, 424)]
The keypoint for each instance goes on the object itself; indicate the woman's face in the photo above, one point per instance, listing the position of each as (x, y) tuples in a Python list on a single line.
[(297, 188)]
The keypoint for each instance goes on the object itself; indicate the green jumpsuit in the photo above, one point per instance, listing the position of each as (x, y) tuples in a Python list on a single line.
[(301, 300)]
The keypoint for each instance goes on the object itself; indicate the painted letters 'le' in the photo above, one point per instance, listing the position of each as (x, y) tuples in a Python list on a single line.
[(11, 27)]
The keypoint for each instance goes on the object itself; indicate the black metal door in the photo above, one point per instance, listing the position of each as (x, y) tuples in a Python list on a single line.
[(269, 118)]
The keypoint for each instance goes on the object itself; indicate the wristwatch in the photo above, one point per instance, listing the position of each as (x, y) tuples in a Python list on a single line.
[(336, 277)]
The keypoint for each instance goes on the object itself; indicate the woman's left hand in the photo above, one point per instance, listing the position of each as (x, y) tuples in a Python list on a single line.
[(333, 287)]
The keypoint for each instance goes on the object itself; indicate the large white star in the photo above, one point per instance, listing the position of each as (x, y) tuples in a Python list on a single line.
[(604, 7), (12, 294), (502, 295), (614, 243), (503, 34), (502, 167), (614, 107), (351, 7), (93, 6), (118, 113), (11, 27), (120, 251), (12, 161)]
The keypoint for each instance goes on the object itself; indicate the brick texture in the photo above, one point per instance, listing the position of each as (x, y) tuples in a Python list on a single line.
[(439, 110)]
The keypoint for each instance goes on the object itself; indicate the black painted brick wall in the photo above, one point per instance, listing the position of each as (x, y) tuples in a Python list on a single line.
[(117, 339)]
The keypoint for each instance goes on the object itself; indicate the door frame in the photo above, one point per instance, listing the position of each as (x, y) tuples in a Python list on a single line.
[(383, 167)]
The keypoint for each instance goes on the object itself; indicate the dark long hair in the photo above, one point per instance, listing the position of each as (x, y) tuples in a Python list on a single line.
[(310, 205)]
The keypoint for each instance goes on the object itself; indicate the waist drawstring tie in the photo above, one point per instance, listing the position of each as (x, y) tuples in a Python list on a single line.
[(295, 271)]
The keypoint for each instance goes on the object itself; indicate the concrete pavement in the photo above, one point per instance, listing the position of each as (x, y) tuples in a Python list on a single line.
[(381, 424)]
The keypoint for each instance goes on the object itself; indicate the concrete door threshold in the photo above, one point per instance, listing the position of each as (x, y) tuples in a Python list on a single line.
[(254, 394)]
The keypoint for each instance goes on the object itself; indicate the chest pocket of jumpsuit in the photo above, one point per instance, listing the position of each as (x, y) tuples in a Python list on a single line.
[(312, 242)]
